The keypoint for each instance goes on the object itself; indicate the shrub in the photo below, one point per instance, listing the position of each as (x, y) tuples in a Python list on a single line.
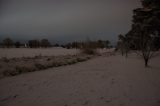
[(89, 48), (71, 62), (9, 72), (56, 64), (88, 51), (81, 59), (39, 66), (23, 69)]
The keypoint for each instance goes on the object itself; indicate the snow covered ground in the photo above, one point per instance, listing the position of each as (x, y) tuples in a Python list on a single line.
[(29, 52), (101, 81)]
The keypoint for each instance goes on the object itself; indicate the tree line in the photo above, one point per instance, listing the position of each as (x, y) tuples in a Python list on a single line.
[(44, 43), (93, 44), (9, 43)]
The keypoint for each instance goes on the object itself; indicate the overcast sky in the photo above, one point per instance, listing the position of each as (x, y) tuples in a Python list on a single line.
[(65, 20)]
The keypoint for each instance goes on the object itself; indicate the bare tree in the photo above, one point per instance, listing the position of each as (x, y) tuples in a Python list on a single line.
[(34, 43), (107, 43), (145, 32), (17, 44), (147, 49), (8, 42), (123, 45), (45, 43), (144, 41), (89, 47)]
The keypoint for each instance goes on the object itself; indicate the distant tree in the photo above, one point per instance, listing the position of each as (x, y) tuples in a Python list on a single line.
[(45, 43), (100, 44), (75, 45), (103, 43), (63, 46), (123, 45), (8, 42), (107, 43), (68, 45), (89, 47), (34, 43), (17, 44), (57, 45), (1, 45), (120, 44)]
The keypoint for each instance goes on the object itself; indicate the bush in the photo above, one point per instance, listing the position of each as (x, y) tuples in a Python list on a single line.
[(89, 47), (23, 69), (69, 62), (56, 64), (12, 72), (81, 59), (40, 66), (89, 51)]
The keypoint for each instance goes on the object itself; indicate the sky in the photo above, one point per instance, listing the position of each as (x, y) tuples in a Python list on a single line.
[(63, 21)]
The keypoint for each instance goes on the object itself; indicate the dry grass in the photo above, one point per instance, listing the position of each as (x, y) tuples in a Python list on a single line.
[(15, 66)]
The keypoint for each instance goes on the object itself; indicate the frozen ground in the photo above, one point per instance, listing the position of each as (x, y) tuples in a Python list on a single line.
[(101, 81)]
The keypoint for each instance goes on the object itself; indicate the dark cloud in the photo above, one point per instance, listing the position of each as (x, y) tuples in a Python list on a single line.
[(65, 20)]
